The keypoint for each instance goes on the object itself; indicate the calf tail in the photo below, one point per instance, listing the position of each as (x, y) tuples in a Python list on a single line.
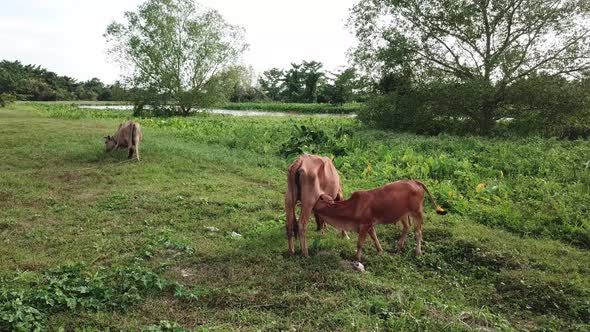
[(439, 210)]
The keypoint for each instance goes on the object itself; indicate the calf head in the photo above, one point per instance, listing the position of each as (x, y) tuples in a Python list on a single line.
[(324, 201), (109, 143)]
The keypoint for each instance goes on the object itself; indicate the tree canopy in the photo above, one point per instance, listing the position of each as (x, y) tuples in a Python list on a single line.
[(488, 43), (176, 51)]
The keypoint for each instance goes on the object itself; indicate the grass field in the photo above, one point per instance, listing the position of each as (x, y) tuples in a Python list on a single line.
[(91, 242)]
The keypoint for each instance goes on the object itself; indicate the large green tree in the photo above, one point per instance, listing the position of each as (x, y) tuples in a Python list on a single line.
[(488, 44), (174, 52)]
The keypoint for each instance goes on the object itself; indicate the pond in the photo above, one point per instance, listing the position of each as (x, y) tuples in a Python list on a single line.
[(227, 112)]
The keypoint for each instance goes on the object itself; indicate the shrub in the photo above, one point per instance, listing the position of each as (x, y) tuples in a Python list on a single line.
[(6, 99)]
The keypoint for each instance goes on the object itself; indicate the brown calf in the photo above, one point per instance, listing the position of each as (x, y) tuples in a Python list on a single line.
[(400, 200), (128, 136), (309, 177)]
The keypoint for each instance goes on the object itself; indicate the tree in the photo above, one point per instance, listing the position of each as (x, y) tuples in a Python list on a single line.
[(271, 83), (485, 43), (293, 84), (175, 50), (312, 79), (244, 90), (342, 88)]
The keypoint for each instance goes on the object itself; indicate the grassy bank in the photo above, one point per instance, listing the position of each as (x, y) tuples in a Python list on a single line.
[(93, 243), (295, 107)]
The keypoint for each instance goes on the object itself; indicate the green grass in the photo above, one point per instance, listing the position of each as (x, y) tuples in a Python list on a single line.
[(295, 107), (92, 243)]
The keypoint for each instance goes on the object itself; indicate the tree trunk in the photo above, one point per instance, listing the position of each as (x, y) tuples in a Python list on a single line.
[(487, 118)]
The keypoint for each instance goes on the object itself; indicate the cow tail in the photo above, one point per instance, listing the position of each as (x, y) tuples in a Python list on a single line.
[(439, 210), (294, 188)]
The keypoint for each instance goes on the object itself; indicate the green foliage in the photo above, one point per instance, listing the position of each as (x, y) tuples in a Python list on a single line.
[(549, 106), (478, 46), (539, 105), (76, 288), (165, 326), (295, 107), (29, 82), (344, 87), (311, 140), (6, 99), (307, 82)]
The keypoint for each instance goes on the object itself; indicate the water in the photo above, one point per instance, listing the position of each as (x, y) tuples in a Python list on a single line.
[(225, 112)]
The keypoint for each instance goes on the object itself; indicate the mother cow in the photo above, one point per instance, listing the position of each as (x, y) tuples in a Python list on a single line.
[(309, 177)]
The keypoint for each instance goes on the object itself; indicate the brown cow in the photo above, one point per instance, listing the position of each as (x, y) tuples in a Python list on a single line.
[(127, 136), (400, 200), (309, 177)]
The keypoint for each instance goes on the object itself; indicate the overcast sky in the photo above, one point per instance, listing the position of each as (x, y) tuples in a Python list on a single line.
[(66, 36)]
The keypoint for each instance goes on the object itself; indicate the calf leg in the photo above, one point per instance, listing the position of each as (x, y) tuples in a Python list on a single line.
[(130, 156), (418, 231), (376, 240), (137, 151), (359, 246), (340, 197), (402, 239)]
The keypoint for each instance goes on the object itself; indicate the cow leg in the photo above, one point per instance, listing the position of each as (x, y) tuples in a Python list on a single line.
[(402, 239), (137, 151), (303, 219), (359, 246), (290, 223), (373, 234), (418, 218)]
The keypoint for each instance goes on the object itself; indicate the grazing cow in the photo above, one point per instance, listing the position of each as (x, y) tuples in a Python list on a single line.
[(309, 177), (127, 136), (397, 201)]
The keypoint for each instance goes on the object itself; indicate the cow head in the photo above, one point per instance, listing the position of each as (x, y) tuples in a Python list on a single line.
[(109, 143)]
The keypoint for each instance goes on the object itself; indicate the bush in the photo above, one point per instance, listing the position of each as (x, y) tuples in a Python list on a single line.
[(6, 99), (306, 139), (550, 107), (539, 105)]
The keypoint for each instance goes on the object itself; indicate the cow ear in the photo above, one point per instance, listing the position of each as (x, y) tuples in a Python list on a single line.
[(332, 157)]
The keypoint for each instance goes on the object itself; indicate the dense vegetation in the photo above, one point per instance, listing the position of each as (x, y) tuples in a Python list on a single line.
[(445, 66), (130, 246), (31, 82), (296, 107)]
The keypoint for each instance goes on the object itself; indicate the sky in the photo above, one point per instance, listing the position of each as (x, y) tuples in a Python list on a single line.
[(66, 36)]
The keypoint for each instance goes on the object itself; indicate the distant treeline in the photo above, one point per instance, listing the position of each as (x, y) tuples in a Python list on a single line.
[(308, 82), (34, 83)]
